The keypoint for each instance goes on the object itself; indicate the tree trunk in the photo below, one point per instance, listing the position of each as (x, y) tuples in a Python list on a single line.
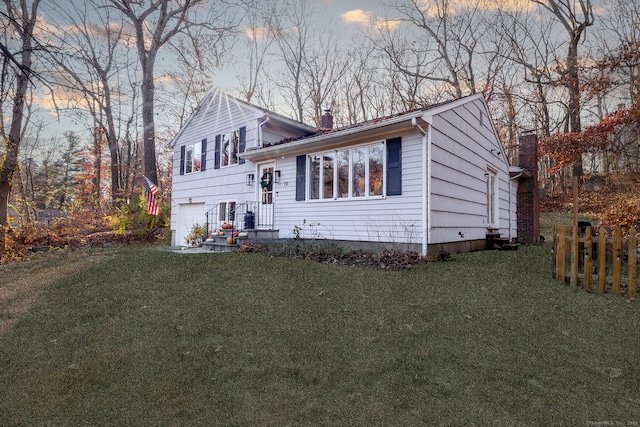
[(573, 86), (149, 145), (10, 163)]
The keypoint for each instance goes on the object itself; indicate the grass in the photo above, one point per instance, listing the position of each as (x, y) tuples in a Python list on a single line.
[(137, 336)]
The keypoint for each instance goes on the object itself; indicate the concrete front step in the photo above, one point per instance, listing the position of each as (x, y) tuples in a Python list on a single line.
[(218, 243)]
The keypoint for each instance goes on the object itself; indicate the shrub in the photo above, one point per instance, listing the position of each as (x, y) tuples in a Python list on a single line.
[(133, 218), (196, 235)]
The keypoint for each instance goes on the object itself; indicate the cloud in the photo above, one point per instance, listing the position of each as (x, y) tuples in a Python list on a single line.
[(433, 8), (367, 19), (357, 16), (255, 34), (386, 25), (166, 80), (507, 5)]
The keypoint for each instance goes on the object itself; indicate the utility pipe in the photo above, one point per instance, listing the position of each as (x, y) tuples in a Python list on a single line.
[(426, 184)]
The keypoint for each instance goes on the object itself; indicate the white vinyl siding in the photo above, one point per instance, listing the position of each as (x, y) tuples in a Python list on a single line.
[(216, 116), (462, 152), (378, 218)]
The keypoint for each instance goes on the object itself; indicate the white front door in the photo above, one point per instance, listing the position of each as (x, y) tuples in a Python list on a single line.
[(266, 183)]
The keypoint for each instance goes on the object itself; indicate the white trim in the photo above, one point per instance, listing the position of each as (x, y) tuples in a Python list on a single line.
[(426, 183), (335, 151), (305, 145), (493, 201)]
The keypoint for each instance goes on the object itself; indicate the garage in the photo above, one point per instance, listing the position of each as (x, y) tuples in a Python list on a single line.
[(189, 214)]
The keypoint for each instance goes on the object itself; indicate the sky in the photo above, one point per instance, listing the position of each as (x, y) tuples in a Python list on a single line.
[(346, 17)]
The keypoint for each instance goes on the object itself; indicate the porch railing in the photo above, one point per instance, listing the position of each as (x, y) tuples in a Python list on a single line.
[(211, 219), (245, 216)]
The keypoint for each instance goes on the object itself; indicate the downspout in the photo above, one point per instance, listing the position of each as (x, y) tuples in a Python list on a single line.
[(513, 178), (426, 184)]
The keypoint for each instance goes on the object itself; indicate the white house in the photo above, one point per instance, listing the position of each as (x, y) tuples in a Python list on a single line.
[(421, 180)]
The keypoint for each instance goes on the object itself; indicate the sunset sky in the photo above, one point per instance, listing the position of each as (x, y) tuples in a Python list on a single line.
[(345, 17)]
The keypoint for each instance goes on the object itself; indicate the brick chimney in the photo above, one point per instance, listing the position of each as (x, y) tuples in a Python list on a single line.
[(326, 122), (528, 193)]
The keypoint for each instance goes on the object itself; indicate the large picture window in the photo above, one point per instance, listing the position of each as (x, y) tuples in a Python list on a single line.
[(348, 173)]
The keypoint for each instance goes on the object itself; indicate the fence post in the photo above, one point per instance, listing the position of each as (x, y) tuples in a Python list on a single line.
[(574, 256), (588, 253), (560, 256), (616, 260), (554, 253), (633, 260), (602, 259)]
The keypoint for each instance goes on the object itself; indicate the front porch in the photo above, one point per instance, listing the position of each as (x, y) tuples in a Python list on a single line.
[(231, 225)]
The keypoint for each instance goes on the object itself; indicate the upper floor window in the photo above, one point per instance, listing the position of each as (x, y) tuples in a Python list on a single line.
[(228, 146), (193, 157)]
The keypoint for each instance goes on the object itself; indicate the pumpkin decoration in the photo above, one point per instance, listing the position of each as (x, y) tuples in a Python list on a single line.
[(220, 233), (227, 226), (230, 240)]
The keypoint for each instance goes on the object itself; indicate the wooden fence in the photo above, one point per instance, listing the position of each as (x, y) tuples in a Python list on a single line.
[(606, 259)]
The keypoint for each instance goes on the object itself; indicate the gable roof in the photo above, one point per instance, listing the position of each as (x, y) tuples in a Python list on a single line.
[(369, 128), (215, 94)]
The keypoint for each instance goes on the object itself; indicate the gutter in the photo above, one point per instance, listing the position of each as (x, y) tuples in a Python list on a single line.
[(426, 182), (305, 144)]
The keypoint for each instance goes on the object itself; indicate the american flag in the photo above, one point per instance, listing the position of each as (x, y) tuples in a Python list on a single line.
[(150, 191)]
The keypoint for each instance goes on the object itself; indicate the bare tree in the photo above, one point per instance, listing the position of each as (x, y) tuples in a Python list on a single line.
[(91, 68), (17, 50), (324, 68), (619, 40), (294, 38), (154, 24), (358, 81), (528, 46), (575, 22), (443, 49), (257, 37)]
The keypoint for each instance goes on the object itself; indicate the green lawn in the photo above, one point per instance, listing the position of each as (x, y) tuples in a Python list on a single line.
[(138, 336)]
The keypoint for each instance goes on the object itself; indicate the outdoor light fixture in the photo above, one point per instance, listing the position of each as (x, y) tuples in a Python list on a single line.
[(276, 176), (251, 179)]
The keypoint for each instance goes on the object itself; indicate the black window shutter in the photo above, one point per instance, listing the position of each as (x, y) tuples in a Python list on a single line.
[(216, 152), (182, 151), (203, 155), (301, 171), (243, 142), (394, 167)]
